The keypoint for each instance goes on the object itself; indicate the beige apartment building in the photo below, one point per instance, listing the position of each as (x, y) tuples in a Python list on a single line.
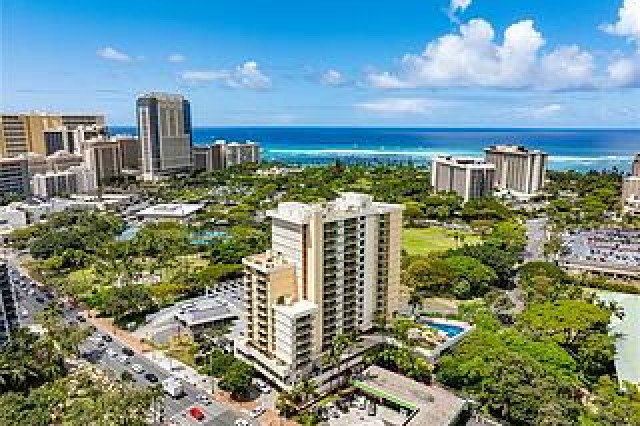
[(102, 157), (517, 169), (25, 132), (333, 269), (221, 155), (469, 178)]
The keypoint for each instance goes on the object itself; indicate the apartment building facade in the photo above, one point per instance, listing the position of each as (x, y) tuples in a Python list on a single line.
[(14, 176), (8, 307), (335, 268), (517, 168), (469, 178), (74, 180), (102, 157), (222, 154), (25, 132), (164, 129)]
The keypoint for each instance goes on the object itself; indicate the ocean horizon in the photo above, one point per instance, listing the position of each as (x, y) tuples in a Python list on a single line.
[(568, 149)]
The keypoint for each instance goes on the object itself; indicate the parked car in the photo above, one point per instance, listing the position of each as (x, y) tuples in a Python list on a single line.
[(112, 353), (241, 422), (257, 412), (128, 351), (151, 377), (137, 368), (123, 359), (196, 413), (107, 338)]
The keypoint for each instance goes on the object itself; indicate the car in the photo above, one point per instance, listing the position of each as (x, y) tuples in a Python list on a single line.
[(196, 413), (123, 359), (40, 299), (204, 399), (128, 351), (137, 368), (112, 353), (24, 313), (241, 422), (257, 412), (107, 338), (80, 318), (151, 377)]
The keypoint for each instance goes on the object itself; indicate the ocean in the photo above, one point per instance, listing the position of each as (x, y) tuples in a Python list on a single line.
[(568, 149)]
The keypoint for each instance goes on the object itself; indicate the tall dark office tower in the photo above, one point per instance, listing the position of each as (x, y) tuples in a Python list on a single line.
[(164, 129), (8, 310)]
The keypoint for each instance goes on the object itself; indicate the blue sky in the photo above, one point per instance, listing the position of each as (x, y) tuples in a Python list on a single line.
[(521, 63)]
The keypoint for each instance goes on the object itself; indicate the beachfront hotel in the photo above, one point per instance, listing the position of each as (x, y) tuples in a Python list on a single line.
[(469, 178), (222, 154), (518, 169), (333, 268), (164, 129)]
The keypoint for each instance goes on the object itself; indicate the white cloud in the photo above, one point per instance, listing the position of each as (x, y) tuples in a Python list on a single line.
[(176, 58), (625, 72), (401, 106), (249, 76), (113, 54), (567, 67), (456, 6), (628, 24), (246, 75), (546, 111), (473, 58), (333, 78)]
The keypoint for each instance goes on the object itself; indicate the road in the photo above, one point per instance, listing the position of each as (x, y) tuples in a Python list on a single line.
[(536, 237), (32, 299)]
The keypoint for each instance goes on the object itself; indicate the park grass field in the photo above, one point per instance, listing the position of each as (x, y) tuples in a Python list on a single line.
[(421, 241)]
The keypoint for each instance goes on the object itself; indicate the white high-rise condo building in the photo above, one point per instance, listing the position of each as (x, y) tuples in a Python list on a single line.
[(469, 178), (333, 268), (164, 129), (518, 169)]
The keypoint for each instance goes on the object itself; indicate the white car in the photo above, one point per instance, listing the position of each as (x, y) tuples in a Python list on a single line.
[(24, 313), (112, 353), (241, 422), (137, 368), (123, 359), (257, 412)]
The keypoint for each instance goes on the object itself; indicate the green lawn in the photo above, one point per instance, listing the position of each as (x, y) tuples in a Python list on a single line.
[(426, 240)]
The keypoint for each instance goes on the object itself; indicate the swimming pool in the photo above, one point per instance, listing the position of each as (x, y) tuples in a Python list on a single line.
[(449, 329)]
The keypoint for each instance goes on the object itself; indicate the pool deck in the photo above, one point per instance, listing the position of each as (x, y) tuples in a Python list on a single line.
[(431, 405)]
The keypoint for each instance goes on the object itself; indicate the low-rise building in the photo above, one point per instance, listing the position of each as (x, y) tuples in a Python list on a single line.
[(173, 212)]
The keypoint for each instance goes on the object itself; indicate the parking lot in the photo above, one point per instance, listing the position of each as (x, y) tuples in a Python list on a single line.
[(605, 247)]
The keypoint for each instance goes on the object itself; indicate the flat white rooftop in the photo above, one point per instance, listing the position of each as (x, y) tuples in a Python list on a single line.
[(348, 205), (297, 309), (171, 210)]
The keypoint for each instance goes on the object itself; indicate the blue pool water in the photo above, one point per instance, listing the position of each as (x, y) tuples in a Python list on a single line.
[(204, 238), (128, 233), (448, 329)]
